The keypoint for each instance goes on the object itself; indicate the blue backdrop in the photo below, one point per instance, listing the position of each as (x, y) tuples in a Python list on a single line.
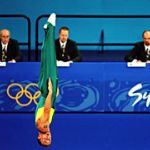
[(82, 30), (83, 87)]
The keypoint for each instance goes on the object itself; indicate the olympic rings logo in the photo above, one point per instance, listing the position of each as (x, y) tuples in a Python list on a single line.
[(22, 91)]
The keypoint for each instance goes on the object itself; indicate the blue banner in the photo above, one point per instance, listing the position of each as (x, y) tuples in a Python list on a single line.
[(83, 87)]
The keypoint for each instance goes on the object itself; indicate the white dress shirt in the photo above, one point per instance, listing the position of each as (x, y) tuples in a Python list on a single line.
[(63, 44), (4, 46)]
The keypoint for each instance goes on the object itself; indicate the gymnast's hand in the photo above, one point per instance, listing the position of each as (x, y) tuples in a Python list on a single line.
[(50, 89)]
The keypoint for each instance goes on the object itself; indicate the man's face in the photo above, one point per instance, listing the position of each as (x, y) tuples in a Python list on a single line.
[(5, 36), (146, 38), (63, 35)]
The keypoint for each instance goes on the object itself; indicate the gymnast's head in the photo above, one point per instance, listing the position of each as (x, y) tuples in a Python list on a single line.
[(44, 139)]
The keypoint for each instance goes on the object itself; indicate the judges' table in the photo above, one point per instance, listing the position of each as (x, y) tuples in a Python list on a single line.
[(83, 87)]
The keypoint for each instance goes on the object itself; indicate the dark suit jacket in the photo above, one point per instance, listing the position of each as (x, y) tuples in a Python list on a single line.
[(13, 51), (71, 51), (138, 52)]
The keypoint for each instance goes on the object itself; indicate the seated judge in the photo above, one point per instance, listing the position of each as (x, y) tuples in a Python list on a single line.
[(66, 49), (141, 50), (9, 49)]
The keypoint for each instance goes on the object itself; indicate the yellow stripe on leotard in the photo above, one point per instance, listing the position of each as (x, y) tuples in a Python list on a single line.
[(40, 112)]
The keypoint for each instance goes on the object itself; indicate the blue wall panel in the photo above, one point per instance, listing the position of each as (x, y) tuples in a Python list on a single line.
[(82, 30)]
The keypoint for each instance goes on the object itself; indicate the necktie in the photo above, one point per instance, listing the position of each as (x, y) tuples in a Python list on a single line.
[(4, 54), (63, 50), (148, 51), (147, 54)]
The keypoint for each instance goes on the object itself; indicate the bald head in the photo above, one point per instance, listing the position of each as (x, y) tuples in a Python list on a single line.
[(146, 37), (4, 36)]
